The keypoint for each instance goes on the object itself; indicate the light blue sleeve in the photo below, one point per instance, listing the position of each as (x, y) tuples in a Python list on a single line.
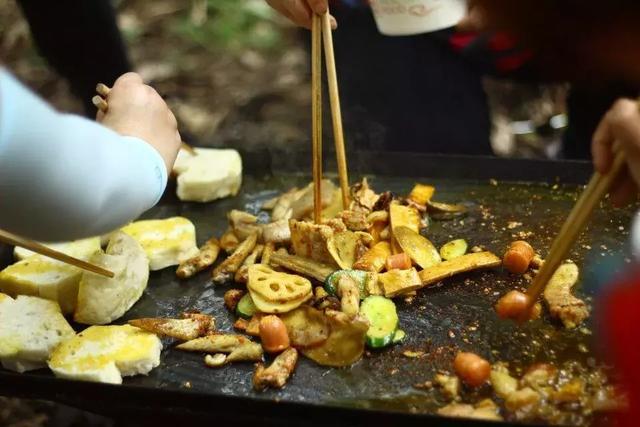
[(63, 177)]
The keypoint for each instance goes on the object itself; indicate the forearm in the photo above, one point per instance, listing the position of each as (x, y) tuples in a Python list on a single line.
[(64, 177)]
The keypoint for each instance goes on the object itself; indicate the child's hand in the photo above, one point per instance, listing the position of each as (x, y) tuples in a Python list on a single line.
[(299, 11), (621, 124), (136, 109)]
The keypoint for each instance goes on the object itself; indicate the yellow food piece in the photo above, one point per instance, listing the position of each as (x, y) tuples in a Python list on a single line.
[(345, 245), (397, 282), (165, 241), (404, 216), (106, 354), (40, 276), (82, 249), (421, 194), (418, 247), (453, 249), (458, 265), (270, 307), (375, 258), (275, 286)]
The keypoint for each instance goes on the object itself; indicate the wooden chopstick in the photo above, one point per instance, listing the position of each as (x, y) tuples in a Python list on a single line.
[(316, 115), (102, 105), (336, 114), (576, 221), (14, 240)]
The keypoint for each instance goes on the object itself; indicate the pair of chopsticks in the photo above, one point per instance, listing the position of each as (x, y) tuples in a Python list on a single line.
[(597, 188), (100, 101), (14, 240), (321, 29)]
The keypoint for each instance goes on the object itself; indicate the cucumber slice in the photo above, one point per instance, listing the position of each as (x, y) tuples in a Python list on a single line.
[(383, 320), (399, 336), (453, 249), (361, 277), (246, 308)]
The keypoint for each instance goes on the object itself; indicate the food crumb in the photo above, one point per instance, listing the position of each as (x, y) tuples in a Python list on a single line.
[(513, 224), (493, 182), (427, 385), (451, 334), (412, 354), (394, 371), (583, 348), (187, 384)]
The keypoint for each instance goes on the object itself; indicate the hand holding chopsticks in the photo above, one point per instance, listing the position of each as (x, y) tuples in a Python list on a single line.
[(14, 240), (321, 28)]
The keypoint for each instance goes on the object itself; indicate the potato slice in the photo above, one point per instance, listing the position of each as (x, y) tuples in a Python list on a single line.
[(419, 248), (404, 216), (375, 258), (421, 194), (307, 327), (346, 246), (458, 265), (345, 344), (397, 282), (453, 249), (300, 265), (303, 205)]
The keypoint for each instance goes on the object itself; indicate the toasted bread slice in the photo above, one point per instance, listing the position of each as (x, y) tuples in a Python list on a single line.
[(166, 242), (44, 277), (30, 327), (101, 299), (106, 354)]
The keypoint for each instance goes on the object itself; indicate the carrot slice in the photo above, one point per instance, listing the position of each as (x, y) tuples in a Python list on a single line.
[(399, 261)]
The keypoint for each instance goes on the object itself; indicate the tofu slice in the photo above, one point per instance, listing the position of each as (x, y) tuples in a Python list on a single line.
[(106, 354), (40, 276), (166, 242), (101, 299), (30, 328), (211, 174), (82, 249)]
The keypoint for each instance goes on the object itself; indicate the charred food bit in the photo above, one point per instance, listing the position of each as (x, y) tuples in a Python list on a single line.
[(182, 329), (227, 269), (450, 385), (278, 373), (472, 369), (231, 298)]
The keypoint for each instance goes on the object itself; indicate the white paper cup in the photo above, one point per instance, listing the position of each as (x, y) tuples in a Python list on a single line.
[(409, 17)]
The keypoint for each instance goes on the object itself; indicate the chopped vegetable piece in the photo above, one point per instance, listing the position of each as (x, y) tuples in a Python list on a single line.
[(459, 265), (232, 297), (345, 344), (418, 247), (446, 208), (206, 256), (562, 303), (219, 343), (399, 261), (361, 277), (243, 271), (245, 307), (397, 282), (399, 336), (518, 257), (375, 258), (453, 249), (215, 361), (269, 249), (383, 320), (229, 241), (310, 240), (273, 334), (404, 216), (275, 292), (349, 292), (307, 327), (472, 369), (182, 329), (347, 246), (300, 265), (421, 194), (227, 269), (277, 374)]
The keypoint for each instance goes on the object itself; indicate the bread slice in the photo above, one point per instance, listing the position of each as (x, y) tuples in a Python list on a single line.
[(106, 354), (82, 249), (165, 241), (30, 327), (101, 299), (211, 174), (40, 276)]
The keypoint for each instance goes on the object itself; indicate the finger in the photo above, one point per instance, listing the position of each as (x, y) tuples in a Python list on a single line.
[(172, 119), (99, 116), (278, 6), (318, 6), (625, 190), (334, 23), (601, 145), (130, 78), (300, 12)]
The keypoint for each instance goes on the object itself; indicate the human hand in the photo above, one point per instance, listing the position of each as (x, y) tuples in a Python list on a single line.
[(300, 11), (621, 124), (475, 19), (136, 109)]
